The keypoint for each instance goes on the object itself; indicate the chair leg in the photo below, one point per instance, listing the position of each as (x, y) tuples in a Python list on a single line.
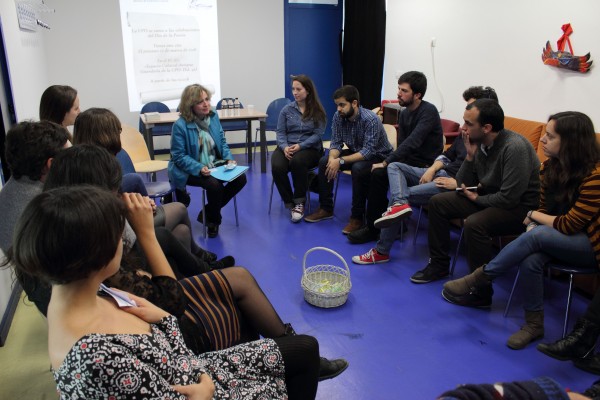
[(418, 225), (569, 297), (457, 251), (271, 197), (237, 222), (512, 291), (204, 213), (337, 184)]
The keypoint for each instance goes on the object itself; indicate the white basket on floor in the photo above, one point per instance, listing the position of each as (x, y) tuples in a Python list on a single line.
[(325, 285)]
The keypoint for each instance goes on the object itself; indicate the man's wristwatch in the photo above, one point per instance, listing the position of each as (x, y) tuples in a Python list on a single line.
[(342, 161)]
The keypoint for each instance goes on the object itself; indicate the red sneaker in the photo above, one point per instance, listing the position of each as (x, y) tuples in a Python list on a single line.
[(371, 257), (393, 215)]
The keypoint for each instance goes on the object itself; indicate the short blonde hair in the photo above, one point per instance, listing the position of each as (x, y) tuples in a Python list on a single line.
[(190, 96)]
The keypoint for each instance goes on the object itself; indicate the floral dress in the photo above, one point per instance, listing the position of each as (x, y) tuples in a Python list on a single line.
[(145, 366)]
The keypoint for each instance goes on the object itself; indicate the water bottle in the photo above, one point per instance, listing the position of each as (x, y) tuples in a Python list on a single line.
[(236, 106), (230, 106)]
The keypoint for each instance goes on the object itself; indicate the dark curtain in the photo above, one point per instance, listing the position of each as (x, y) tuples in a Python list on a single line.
[(364, 49)]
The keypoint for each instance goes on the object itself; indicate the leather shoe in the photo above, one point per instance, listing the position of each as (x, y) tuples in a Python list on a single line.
[(363, 235), (331, 368), (429, 274), (205, 255), (481, 297), (213, 230), (590, 364)]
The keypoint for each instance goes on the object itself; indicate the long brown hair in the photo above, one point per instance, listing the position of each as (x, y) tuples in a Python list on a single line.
[(577, 156), (314, 109), (191, 95)]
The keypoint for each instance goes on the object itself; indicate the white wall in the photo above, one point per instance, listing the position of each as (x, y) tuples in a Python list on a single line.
[(495, 43), (85, 50)]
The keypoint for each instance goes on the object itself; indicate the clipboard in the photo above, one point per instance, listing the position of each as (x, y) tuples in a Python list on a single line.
[(227, 175)]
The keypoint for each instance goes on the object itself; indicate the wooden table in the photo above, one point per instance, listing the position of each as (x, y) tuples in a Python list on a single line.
[(243, 114)]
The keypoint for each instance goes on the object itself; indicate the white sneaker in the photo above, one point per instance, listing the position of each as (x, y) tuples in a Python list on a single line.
[(297, 212)]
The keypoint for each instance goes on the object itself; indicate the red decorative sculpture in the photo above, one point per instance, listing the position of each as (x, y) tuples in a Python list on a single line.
[(565, 59)]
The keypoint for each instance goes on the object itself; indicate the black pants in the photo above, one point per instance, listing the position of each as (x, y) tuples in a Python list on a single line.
[(377, 200), (301, 358), (218, 194), (482, 223), (593, 311), (361, 178), (299, 165)]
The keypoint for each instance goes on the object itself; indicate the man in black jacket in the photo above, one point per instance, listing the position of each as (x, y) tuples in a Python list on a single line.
[(420, 141)]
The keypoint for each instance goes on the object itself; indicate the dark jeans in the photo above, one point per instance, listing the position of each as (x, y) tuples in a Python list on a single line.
[(218, 194), (482, 223), (299, 165), (377, 201), (361, 177)]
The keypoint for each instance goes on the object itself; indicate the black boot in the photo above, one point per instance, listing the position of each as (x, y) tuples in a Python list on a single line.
[(593, 392), (225, 262), (205, 255), (577, 344), (590, 364)]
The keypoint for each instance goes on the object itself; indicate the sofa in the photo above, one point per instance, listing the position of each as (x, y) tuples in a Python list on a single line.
[(532, 130)]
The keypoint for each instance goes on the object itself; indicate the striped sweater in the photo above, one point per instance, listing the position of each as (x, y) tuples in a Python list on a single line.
[(584, 215)]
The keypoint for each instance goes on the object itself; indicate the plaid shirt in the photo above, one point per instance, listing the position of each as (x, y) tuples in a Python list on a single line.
[(364, 135)]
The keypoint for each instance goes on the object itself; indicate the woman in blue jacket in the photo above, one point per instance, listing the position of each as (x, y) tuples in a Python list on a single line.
[(197, 145), (300, 130)]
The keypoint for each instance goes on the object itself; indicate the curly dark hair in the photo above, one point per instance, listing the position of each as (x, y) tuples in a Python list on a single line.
[(416, 80), (30, 144), (577, 156), (480, 92), (67, 217)]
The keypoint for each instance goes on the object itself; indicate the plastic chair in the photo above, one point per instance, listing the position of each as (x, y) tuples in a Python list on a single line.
[(562, 268), (154, 189), (451, 130), (133, 142), (232, 125), (159, 129), (273, 111)]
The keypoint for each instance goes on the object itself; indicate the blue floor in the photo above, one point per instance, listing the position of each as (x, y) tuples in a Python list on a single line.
[(403, 341)]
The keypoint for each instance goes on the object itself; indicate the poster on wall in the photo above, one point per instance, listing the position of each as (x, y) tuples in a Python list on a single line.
[(168, 45)]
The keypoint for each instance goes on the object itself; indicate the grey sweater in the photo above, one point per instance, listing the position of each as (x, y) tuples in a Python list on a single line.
[(509, 174), (14, 197)]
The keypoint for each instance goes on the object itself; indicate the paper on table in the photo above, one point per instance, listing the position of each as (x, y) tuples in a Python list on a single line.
[(227, 175)]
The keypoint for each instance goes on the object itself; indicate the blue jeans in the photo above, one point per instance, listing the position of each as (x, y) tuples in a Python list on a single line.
[(532, 251), (405, 188)]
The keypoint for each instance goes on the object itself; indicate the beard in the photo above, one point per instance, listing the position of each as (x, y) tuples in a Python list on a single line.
[(406, 103), (349, 114)]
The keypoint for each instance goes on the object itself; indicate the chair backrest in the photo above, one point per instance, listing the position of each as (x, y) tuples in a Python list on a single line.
[(392, 135), (125, 161), (134, 144), (220, 105), (450, 126), (273, 112), (156, 106), (232, 125)]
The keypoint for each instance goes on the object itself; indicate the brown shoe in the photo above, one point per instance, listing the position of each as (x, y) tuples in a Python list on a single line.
[(352, 226), (467, 284), (319, 215)]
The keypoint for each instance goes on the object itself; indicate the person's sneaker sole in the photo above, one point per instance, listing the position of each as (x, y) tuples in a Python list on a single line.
[(387, 221), (456, 301)]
